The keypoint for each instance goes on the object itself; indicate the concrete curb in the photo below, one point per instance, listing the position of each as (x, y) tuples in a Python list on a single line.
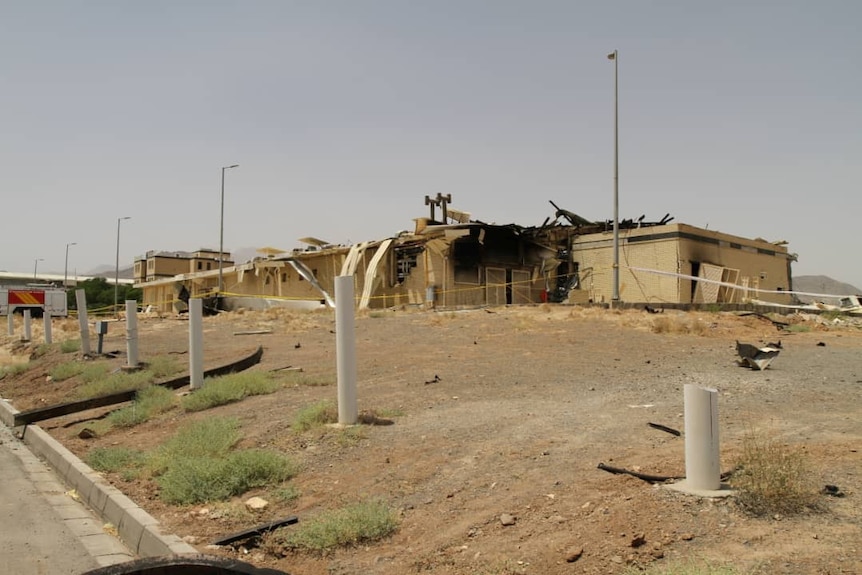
[(139, 530)]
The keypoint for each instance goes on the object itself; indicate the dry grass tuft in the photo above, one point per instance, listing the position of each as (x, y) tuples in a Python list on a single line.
[(773, 478)]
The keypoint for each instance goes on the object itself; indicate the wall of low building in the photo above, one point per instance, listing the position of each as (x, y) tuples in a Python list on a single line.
[(678, 249)]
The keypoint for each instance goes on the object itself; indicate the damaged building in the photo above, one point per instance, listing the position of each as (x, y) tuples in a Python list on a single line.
[(452, 260)]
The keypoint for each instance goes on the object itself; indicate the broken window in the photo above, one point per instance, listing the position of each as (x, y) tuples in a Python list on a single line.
[(405, 260), (467, 255)]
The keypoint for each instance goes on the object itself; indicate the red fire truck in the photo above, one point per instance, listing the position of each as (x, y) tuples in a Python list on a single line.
[(38, 299)]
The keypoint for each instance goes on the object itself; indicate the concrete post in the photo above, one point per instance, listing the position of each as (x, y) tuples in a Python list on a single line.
[(196, 343), (27, 332), (46, 315), (132, 333), (345, 350), (702, 467), (81, 302), (10, 320)]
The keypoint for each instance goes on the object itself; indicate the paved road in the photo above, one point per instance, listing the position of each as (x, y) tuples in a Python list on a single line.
[(43, 529)]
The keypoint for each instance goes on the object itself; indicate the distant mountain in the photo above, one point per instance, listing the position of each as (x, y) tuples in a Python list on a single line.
[(822, 284)]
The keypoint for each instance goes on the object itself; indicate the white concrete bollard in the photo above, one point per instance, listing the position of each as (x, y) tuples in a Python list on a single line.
[(196, 343), (132, 333), (702, 467), (27, 331), (81, 302), (46, 315), (345, 350), (10, 321)]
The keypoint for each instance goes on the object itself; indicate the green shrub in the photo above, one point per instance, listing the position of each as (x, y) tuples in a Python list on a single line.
[(228, 389), (112, 459), (164, 367), (315, 415), (91, 372), (300, 379), (772, 477), (70, 345), (202, 479), (798, 328), (115, 383), (13, 370), (66, 370), (41, 349), (148, 402), (287, 494), (352, 525)]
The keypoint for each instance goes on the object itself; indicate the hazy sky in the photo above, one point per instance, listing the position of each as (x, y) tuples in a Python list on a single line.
[(742, 116)]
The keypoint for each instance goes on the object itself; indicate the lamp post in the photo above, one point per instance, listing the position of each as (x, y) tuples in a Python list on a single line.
[(36, 266), (221, 232), (615, 296), (117, 267), (66, 266)]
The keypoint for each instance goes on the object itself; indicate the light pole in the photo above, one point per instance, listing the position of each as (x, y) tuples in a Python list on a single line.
[(615, 297), (117, 267), (221, 232), (36, 266), (66, 266)]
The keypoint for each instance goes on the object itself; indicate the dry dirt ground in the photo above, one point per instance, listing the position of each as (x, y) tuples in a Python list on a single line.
[(509, 411)]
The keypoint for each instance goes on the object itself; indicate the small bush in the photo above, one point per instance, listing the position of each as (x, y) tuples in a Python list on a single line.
[(352, 525), (148, 402), (13, 370), (202, 479), (287, 494), (66, 370), (70, 345), (91, 372), (300, 379), (213, 436), (228, 389), (798, 328), (772, 477), (315, 415), (163, 367), (113, 459), (115, 383), (41, 349)]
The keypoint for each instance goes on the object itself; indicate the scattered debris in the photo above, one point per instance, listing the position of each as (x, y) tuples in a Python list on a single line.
[(664, 428), (574, 554), (286, 368), (649, 309), (638, 540), (643, 476), (507, 519), (755, 357), (297, 345), (832, 491), (775, 322), (86, 433), (821, 344), (256, 531), (253, 332), (371, 418), (435, 380), (256, 503)]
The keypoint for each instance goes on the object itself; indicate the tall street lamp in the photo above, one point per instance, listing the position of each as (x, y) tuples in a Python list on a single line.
[(221, 232), (36, 266), (66, 266), (615, 297), (117, 267)]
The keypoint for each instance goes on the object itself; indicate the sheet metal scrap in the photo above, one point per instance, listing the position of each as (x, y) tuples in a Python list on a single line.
[(755, 357)]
